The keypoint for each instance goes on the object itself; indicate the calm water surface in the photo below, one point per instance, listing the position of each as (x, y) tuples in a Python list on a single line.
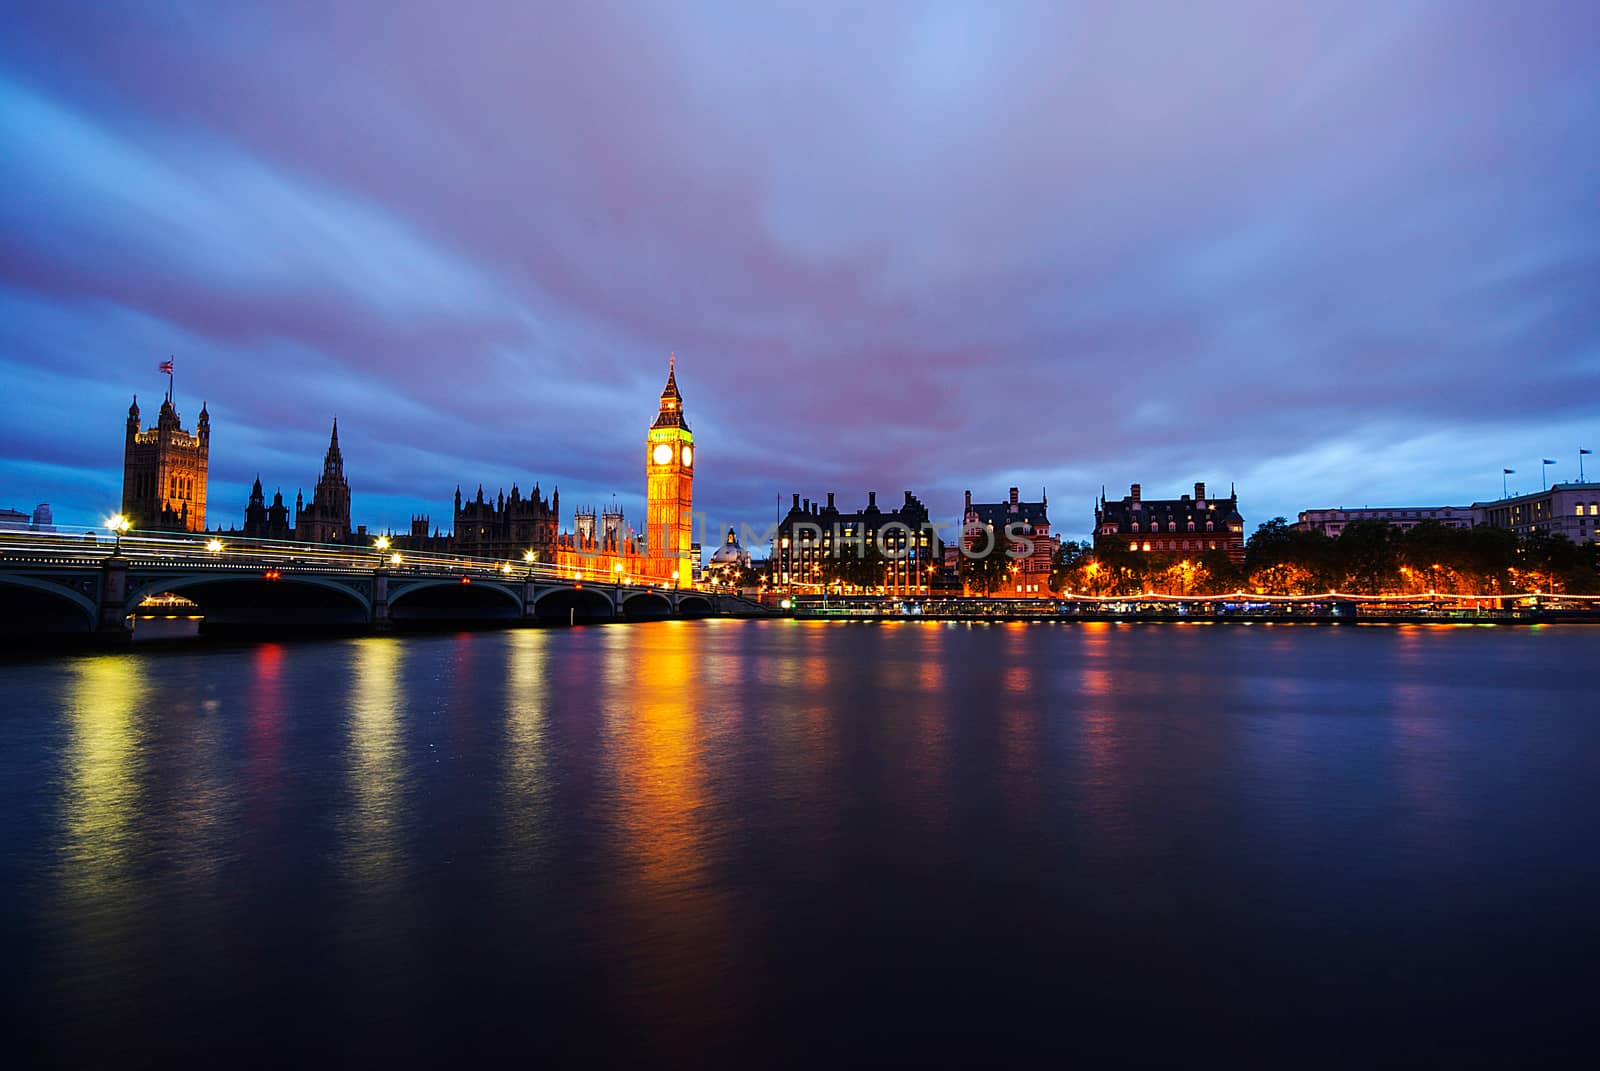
[(809, 841)]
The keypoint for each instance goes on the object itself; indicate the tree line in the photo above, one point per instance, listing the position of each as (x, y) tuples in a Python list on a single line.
[(1366, 558)]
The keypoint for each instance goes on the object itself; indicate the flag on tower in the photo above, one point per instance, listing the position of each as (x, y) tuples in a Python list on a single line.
[(1508, 472), (166, 367), (1581, 450), (1547, 461)]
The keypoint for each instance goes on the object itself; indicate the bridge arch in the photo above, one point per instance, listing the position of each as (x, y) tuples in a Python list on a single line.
[(246, 599), (695, 606), (574, 604), (30, 606), (451, 600), (646, 604)]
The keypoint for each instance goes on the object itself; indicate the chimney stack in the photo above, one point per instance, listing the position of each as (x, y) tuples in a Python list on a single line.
[(796, 502), (1013, 496), (805, 504), (908, 498), (830, 500), (872, 500), (1199, 492), (969, 501), (1136, 492)]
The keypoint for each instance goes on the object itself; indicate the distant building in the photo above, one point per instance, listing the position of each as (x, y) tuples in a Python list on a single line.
[(509, 525), (43, 519), (13, 520), (728, 562), (1170, 525), (1330, 522), (327, 518), (262, 521), (811, 537), (1028, 521), (164, 471), (1569, 509)]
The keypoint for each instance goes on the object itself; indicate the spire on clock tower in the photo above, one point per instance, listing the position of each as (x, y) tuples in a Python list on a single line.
[(671, 414)]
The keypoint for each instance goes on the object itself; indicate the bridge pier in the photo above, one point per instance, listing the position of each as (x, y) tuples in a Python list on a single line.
[(113, 622), (380, 601)]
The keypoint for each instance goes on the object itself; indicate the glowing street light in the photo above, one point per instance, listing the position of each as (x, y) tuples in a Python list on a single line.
[(118, 524), (394, 559), (214, 546)]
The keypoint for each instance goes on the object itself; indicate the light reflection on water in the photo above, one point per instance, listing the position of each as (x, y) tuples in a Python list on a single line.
[(692, 832)]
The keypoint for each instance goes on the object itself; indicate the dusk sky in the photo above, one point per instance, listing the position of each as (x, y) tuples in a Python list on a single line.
[(1337, 254)]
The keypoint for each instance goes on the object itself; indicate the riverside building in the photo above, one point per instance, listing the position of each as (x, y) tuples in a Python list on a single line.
[(1170, 525), (885, 552)]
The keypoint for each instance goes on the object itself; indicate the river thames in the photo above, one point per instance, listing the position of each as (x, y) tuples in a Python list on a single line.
[(813, 841)]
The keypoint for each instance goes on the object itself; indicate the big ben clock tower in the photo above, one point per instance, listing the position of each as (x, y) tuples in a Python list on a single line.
[(669, 471)]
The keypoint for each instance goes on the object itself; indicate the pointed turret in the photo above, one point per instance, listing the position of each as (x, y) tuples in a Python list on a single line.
[(671, 412), (333, 460)]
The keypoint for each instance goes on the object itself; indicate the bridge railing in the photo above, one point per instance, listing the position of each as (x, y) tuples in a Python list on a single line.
[(203, 550)]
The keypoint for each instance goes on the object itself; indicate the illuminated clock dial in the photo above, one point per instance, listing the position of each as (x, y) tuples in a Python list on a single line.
[(688, 454), (662, 454)]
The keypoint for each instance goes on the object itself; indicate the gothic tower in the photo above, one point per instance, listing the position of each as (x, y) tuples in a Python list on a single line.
[(327, 519), (669, 483), (164, 470)]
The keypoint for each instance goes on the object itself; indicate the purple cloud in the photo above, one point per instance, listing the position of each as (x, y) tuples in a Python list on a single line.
[(1339, 256)]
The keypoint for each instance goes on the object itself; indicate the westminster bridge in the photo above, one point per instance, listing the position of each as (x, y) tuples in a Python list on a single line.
[(61, 585)]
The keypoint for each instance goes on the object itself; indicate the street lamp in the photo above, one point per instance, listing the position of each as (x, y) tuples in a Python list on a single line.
[(118, 524), (394, 559), (214, 546)]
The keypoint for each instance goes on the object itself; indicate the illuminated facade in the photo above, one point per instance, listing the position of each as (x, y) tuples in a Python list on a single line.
[(1184, 525), (669, 485), (164, 471), (519, 530), (1022, 521), (888, 552)]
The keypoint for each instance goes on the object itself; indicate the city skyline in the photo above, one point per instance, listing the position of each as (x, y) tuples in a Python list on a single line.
[(1332, 263)]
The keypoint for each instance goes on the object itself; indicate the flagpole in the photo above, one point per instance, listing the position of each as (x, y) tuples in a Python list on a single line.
[(1581, 452)]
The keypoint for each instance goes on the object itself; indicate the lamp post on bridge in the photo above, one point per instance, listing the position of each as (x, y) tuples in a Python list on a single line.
[(118, 525)]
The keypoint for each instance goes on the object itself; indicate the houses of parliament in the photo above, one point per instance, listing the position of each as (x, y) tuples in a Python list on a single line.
[(164, 489)]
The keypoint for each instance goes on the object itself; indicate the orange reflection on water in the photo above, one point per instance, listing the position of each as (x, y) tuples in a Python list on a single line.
[(669, 904), (656, 760)]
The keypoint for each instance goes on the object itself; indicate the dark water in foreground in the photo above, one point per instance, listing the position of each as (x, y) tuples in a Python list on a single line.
[(808, 841)]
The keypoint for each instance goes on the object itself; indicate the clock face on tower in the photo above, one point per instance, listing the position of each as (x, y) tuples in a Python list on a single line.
[(688, 455), (662, 454)]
